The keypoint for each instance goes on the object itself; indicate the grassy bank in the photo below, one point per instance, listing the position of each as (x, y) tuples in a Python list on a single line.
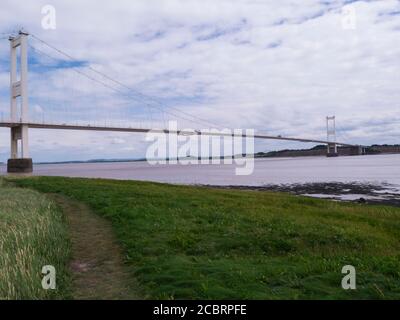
[(189, 242), (32, 235)]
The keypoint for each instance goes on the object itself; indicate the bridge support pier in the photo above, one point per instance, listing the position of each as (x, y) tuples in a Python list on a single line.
[(361, 150), (20, 162), (332, 150), (19, 166)]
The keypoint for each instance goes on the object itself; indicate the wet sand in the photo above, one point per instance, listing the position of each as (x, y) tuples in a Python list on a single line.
[(384, 194)]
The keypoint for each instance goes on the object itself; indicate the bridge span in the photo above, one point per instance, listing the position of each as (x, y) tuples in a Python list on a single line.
[(33, 125), (20, 124), (24, 164)]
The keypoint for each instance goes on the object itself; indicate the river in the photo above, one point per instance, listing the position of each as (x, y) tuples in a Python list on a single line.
[(377, 170)]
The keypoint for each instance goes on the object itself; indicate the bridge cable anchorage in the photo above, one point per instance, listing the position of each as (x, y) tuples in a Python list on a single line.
[(162, 107)]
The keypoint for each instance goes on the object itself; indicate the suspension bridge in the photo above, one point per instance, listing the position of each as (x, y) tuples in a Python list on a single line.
[(21, 119)]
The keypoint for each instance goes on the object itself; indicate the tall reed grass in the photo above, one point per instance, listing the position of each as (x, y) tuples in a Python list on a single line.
[(32, 234)]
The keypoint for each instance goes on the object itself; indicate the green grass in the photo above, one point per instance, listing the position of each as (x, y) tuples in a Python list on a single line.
[(191, 242), (32, 235)]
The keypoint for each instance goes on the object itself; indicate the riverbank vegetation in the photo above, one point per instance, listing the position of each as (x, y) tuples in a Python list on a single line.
[(32, 235), (185, 242)]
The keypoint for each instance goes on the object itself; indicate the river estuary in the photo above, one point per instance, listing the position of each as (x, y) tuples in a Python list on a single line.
[(347, 178)]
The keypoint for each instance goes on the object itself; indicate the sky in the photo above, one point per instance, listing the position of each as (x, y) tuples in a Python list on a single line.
[(279, 67)]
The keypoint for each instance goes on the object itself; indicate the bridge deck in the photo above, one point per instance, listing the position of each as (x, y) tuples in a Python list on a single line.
[(141, 130)]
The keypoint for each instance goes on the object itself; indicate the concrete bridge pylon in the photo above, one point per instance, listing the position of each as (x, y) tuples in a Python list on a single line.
[(19, 106), (331, 137)]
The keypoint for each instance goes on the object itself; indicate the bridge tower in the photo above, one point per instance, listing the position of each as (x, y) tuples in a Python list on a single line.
[(331, 136), (19, 106)]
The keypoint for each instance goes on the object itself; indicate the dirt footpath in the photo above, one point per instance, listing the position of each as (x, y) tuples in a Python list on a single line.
[(97, 267)]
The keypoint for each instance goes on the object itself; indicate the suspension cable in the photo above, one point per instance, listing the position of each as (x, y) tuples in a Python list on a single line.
[(111, 87), (162, 107)]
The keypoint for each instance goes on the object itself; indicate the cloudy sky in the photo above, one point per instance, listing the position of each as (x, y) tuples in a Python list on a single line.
[(279, 67)]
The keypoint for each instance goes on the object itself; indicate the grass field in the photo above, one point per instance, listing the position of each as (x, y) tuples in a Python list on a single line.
[(192, 242), (32, 235)]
